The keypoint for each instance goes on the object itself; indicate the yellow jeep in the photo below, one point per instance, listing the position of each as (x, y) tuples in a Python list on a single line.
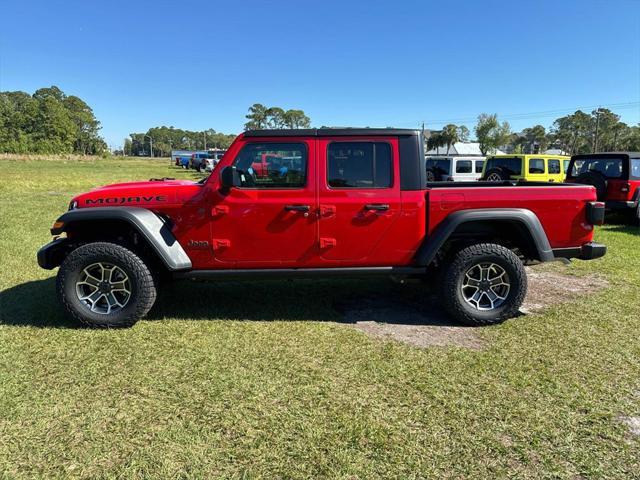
[(531, 168)]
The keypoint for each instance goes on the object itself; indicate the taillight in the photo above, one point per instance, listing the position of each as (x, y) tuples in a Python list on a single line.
[(625, 187), (595, 213)]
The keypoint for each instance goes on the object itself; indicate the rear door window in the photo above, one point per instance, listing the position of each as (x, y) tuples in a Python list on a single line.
[(479, 165), (359, 165), (463, 166), (536, 165), (554, 166)]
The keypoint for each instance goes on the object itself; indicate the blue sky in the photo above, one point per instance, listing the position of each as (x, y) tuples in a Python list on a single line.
[(201, 64)]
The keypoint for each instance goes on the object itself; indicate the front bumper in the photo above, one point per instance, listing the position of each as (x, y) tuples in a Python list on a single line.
[(51, 255)]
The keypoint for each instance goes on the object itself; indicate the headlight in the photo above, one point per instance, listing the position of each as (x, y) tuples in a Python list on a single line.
[(73, 205)]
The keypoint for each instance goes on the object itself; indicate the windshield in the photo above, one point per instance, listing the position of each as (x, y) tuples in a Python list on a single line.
[(607, 166)]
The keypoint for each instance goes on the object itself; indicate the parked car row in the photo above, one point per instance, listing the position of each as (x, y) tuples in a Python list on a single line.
[(197, 160), (615, 176), (497, 168)]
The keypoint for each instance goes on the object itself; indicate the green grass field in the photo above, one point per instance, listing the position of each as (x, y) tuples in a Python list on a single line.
[(261, 380)]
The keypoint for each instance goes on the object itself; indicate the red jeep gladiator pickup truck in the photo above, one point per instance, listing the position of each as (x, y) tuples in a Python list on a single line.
[(328, 202)]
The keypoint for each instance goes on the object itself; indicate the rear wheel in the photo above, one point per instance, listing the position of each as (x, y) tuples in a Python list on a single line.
[(635, 216), (484, 284), (105, 285), (496, 175)]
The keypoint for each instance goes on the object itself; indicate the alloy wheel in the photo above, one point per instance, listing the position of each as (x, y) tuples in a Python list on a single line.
[(485, 286), (103, 288)]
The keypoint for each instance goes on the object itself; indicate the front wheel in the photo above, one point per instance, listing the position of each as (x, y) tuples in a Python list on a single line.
[(484, 284), (105, 285)]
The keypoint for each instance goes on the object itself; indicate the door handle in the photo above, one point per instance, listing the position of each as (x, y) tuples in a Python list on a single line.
[(376, 206), (297, 208)]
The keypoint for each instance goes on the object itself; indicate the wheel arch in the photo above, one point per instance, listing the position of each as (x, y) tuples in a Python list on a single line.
[(103, 223), (524, 230)]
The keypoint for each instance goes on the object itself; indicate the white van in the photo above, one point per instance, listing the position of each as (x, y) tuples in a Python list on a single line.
[(453, 168)]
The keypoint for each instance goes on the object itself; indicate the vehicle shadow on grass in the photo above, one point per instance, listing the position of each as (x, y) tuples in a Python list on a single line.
[(33, 304), (346, 301)]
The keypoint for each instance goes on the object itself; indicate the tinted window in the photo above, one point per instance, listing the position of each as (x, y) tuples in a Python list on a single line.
[(565, 165), (607, 166), (463, 166), (272, 165), (439, 166), (536, 165), (479, 165), (512, 165), (635, 168), (359, 165), (554, 166)]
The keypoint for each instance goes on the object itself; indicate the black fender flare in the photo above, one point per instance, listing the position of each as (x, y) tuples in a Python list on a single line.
[(432, 244), (150, 226)]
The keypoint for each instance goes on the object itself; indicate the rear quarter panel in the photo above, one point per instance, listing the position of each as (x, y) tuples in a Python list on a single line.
[(561, 209)]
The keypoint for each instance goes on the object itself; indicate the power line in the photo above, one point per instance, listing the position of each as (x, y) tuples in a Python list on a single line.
[(532, 115)]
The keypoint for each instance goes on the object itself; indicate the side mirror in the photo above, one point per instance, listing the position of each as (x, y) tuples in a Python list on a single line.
[(229, 178)]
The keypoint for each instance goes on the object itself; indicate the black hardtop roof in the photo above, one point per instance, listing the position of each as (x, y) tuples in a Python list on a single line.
[(607, 154), (331, 132)]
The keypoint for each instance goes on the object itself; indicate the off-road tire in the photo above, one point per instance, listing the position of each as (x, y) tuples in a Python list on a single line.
[(493, 174), (635, 216), (143, 285), (453, 275)]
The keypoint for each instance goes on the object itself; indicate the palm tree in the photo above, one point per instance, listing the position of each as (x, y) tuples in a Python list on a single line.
[(450, 135)]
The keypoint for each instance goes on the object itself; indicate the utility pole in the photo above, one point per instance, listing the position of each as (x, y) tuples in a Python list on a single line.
[(204, 134), (595, 138), (150, 144)]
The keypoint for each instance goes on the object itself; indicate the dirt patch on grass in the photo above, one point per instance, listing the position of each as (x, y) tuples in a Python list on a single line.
[(633, 424), (424, 324), (547, 288)]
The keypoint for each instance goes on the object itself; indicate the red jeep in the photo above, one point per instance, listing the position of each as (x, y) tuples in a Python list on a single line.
[(615, 176), (332, 202)]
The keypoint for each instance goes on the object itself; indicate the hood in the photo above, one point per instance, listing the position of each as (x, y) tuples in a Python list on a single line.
[(154, 192)]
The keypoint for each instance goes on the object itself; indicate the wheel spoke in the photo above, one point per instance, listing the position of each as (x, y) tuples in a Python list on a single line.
[(471, 282)]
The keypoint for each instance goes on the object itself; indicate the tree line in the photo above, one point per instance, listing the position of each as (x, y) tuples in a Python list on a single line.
[(49, 121), (164, 139), (580, 132), (52, 122)]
